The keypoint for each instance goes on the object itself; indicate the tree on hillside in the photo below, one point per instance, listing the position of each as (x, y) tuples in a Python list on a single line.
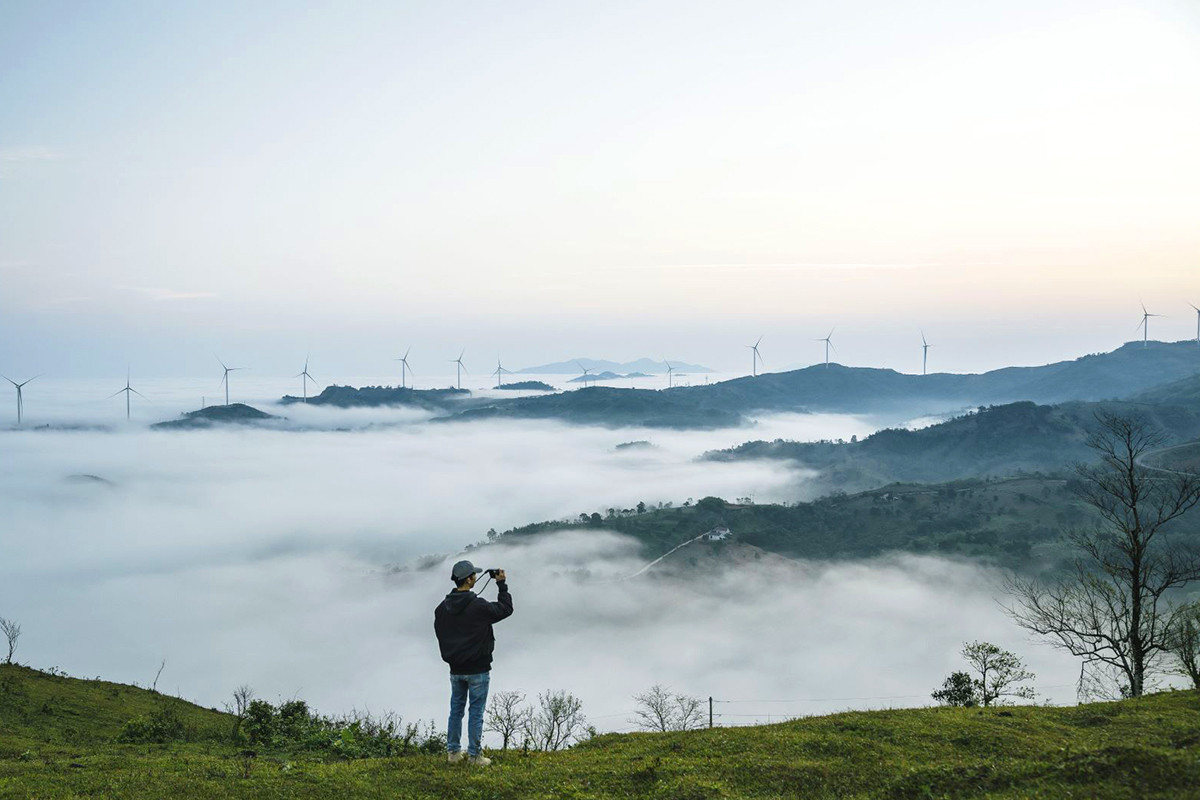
[(994, 674), (507, 716), (1000, 673), (239, 707), (12, 632), (1114, 610), (1185, 644), (660, 710), (957, 690), (556, 723)]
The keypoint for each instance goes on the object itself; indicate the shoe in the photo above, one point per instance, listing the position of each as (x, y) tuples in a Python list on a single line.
[(480, 761), (456, 756)]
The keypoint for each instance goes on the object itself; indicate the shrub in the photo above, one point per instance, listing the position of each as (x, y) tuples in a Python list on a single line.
[(159, 727)]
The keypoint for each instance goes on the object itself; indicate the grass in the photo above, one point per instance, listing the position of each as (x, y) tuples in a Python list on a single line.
[(58, 739)]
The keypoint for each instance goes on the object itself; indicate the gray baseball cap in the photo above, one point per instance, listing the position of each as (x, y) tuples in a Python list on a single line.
[(462, 569)]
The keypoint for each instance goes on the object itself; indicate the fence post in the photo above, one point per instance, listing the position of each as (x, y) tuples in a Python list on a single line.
[(710, 711)]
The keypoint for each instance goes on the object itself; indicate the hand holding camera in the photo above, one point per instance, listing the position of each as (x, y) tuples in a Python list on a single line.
[(497, 575)]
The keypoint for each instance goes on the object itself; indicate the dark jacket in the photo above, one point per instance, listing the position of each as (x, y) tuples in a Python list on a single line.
[(463, 624)]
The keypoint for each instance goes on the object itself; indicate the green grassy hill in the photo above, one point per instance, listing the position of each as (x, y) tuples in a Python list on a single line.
[(59, 739)]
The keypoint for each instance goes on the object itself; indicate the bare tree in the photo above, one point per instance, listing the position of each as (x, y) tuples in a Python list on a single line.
[(239, 707), (660, 710), (507, 716), (157, 675), (12, 632), (557, 722), (655, 709), (1185, 644), (1114, 609)]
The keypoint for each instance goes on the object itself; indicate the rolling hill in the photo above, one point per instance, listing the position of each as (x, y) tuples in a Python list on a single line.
[(60, 738)]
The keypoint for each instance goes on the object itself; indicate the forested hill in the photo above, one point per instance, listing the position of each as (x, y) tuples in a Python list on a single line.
[(1015, 523), (995, 441), (1131, 369)]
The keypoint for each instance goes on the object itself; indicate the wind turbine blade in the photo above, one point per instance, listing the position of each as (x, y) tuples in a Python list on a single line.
[(756, 344), (114, 394), (222, 363), (139, 394), (10, 380)]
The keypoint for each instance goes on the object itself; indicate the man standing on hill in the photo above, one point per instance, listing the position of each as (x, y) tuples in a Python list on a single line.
[(463, 624)]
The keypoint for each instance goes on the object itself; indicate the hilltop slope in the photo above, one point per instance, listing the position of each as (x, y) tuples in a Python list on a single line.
[(58, 735)]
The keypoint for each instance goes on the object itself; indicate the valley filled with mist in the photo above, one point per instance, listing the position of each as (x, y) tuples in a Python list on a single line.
[(306, 559)]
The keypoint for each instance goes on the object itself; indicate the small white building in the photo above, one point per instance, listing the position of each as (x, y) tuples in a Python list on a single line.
[(718, 534)]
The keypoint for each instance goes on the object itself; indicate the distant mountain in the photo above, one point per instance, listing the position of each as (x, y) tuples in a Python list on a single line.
[(997, 441), (234, 414), (644, 365), (1127, 371), (604, 405), (372, 396), (596, 376), (527, 386)]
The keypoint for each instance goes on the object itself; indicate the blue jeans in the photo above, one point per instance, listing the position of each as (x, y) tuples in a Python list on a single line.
[(476, 686)]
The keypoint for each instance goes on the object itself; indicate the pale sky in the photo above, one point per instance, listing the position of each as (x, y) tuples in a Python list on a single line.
[(610, 180)]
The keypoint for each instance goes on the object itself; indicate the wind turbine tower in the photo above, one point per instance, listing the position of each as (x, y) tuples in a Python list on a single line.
[(225, 377), (304, 379), (127, 390), (586, 371), (1145, 325), (670, 374), (828, 340), (500, 372), (404, 368), (755, 357), (460, 368), (924, 353), (20, 396), (1197, 323)]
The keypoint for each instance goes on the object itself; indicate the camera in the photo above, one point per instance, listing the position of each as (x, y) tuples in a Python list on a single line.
[(492, 573)]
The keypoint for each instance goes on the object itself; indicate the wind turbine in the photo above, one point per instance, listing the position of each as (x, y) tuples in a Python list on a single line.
[(670, 374), (305, 378), (500, 372), (755, 357), (225, 378), (1197, 323), (461, 368), (924, 352), (1145, 325), (20, 397), (127, 391), (828, 340), (404, 368), (586, 372)]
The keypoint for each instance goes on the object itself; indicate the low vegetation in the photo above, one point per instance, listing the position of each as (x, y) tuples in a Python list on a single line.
[(67, 738)]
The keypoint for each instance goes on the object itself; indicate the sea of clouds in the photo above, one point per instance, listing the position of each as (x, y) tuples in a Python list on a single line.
[(266, 557)]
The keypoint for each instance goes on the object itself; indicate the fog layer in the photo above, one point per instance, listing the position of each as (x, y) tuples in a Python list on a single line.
[(259, 557)]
